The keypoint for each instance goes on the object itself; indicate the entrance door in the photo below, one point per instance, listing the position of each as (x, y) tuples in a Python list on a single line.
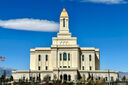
[(65, 77)]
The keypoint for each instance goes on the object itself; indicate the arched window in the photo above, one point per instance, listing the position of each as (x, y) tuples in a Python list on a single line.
[(60, 57), (64, 22), (90, 57), (69, 56), (46, 57), (82, 57), (112, 79), (39, 57), (65, 77), (64, 56), (69, 78), (61, 77)]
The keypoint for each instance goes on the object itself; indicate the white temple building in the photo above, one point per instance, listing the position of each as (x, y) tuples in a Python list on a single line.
[(65, 60)]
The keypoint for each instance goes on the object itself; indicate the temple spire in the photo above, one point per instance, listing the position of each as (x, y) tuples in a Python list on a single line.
[(64, 13), (64, 22)]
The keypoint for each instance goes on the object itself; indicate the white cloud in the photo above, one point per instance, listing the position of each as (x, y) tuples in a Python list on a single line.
[(106, 1), (30, 25), (101, 1)]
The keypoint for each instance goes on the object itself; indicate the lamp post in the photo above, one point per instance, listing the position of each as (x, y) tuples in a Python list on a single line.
[(58, 72), (29, 75), (109, 76), (57, 60), (3, 59)]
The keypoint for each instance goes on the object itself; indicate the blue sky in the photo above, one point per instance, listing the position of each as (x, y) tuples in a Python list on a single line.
[(96, 23)]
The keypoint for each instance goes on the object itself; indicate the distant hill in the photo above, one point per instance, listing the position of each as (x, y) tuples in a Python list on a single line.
[(8, 71), (121, 74)]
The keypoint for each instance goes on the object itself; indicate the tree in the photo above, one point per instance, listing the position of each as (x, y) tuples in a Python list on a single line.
[(55, 77), (92, 77), (38, 79), (84, 78), (124, 78), (117, 80), (46, 78), (26, 80), (3, 77), (89, 76), (11, 78)]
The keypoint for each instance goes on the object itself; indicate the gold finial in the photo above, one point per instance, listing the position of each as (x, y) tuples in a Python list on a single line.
[(64, 13)]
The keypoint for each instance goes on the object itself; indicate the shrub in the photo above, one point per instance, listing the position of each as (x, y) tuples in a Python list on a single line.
[(65, 82), (58, 81)]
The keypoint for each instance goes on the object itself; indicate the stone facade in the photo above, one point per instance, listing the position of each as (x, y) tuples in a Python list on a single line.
[(65, 59)]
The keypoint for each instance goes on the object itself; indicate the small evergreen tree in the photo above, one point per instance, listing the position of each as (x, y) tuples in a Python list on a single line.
[(26, 79), (11, 78), (124, 78)]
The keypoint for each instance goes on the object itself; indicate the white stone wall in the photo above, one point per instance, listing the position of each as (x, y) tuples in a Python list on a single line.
[(73, 62), (72, 72), (101, 73), (34, 61)]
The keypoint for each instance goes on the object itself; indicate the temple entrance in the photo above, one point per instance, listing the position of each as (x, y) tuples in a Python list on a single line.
[(65, 77)]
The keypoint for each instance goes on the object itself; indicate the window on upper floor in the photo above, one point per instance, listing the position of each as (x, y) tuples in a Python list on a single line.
[(112, 79), (69, 56), (90, 57), (82, 67), (82, 57), (64, 22), (46, 57), (90, 68), (46, 68), (39, 57), (38, 67), (106, 78), (64, 56), (60, 57)]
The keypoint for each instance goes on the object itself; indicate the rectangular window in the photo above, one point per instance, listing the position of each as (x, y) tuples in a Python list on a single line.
[(64, 66), (90, 68), (30, 78), (60, 57), (82, 57), (39, 57), (64, 22), (90, 57), (69, 56), (68, 66), (106, 78), (60, 66), (38, 67), (46, 57), (46, 67), (82, 67)]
